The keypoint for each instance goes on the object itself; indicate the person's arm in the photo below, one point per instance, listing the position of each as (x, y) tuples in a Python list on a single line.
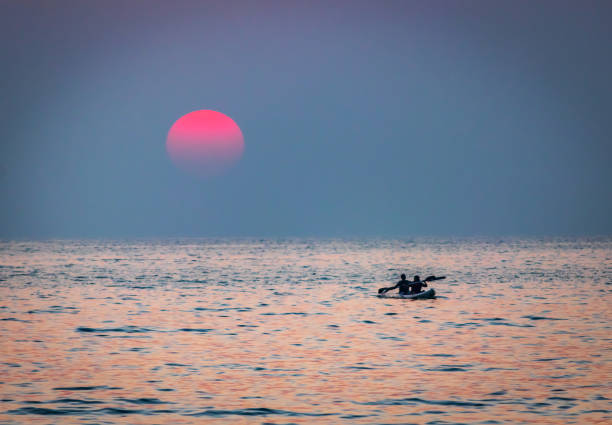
[(393, 287), (383, 290)]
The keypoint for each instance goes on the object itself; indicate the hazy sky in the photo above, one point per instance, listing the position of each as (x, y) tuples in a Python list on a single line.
[(359, 118)]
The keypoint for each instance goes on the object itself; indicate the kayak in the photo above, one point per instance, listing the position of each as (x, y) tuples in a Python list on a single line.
[(430, 293)]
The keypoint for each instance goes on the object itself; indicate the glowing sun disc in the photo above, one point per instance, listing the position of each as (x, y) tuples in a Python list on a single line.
[(205, 143)]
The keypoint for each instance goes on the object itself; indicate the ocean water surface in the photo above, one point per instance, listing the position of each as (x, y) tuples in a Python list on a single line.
[(291, 332)]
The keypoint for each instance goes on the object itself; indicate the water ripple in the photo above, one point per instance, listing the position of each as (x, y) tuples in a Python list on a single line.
[(240, 330), (257, 411)]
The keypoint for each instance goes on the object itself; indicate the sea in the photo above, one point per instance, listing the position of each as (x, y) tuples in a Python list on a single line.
[(291, 331)]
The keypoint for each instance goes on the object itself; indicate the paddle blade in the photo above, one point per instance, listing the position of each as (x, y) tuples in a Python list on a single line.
[(432, 278)]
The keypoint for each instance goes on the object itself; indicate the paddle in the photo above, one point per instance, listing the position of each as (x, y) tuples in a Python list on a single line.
[(427, 279), (432, 278)]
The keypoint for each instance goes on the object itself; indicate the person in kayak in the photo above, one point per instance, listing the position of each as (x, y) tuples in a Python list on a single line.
[(407, 287), (417, 285)]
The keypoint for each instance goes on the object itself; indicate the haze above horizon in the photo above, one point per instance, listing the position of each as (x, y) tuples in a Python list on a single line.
[(359, 118)]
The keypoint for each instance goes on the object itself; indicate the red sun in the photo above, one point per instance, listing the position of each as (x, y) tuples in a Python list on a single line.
[(205, 143)]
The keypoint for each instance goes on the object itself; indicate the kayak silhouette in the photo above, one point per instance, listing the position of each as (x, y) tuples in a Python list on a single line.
[(411, 290)]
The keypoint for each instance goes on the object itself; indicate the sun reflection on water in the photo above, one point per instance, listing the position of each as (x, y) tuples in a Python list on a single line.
[(160, 332)]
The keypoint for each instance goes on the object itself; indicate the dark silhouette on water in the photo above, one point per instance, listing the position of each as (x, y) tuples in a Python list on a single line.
[(417, 285), (407, 287)]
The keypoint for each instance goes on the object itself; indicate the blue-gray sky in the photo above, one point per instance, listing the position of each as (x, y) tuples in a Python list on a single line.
[(359, 118)]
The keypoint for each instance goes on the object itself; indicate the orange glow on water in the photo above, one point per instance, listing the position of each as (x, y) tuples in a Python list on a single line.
[(518, 352)]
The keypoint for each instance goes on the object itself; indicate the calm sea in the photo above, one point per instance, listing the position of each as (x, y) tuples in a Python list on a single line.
[(291, 332)]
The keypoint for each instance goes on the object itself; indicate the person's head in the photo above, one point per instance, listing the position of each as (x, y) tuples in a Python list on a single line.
[(403, 276), (417, 278)]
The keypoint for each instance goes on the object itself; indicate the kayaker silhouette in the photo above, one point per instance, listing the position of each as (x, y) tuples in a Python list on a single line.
[(407, 287), (417, 285)]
